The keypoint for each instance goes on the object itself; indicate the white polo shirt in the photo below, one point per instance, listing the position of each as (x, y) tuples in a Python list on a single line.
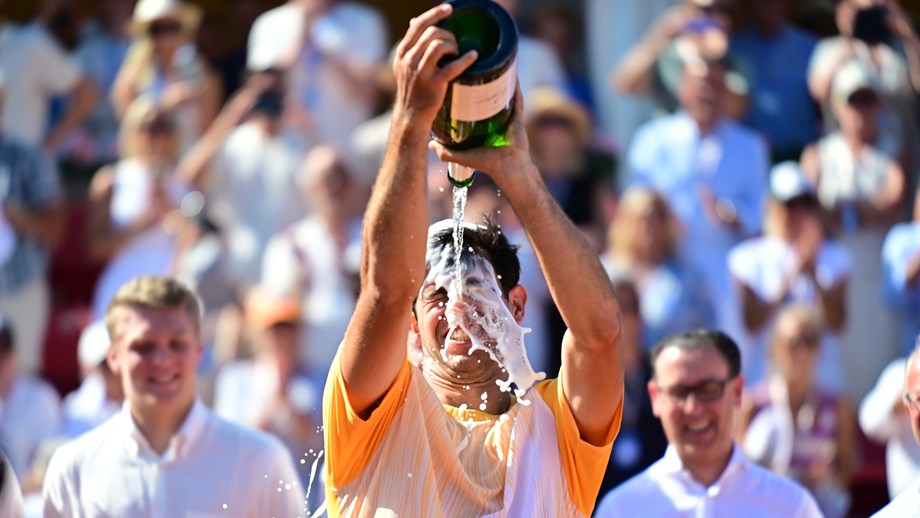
[(906, 505), (745, 489), (210, 468)]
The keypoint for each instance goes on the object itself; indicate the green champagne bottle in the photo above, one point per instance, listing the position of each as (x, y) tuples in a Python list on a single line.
[(478, 104)]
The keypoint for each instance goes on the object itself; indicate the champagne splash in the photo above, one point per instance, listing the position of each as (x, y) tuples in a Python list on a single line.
[(481, 312)]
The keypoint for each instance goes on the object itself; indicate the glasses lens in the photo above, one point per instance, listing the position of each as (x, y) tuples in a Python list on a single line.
[(710, 391)]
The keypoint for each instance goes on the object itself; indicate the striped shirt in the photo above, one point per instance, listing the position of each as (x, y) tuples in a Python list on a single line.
[(414, 456), (30, 180)]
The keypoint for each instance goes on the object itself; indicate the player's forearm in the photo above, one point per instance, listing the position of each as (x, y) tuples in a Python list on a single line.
[(395, 225), (577, 281)]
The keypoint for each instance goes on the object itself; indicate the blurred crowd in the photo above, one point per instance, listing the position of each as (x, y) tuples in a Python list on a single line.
[(770, 190)]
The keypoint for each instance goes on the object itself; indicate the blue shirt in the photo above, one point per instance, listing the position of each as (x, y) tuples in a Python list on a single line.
[(777, 69), (901, 244), (671, 156), (30, 180)]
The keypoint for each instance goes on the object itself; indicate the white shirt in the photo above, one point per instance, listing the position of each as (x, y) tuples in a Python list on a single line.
[(210, 468), (29, 415), (906, 505), (762, 264), (744, 489), (879, 422), (88, 406), (250, 168), (305, 259), (34, 69)]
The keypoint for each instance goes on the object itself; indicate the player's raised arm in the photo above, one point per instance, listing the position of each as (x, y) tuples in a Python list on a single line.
[(396, 221)]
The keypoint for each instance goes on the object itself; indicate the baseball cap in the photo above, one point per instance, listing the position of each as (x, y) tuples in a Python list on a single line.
[(788, 182), (265, 308), (93, 345), (851, 78)]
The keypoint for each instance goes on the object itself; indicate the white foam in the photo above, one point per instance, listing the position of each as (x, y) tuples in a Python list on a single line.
[(482, 313)]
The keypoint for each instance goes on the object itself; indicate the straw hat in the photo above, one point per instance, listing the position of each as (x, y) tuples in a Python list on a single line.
[(547, 101), (265, 308), (148, 11)]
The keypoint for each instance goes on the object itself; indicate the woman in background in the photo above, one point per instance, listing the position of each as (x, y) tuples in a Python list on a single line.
[(162, 66)]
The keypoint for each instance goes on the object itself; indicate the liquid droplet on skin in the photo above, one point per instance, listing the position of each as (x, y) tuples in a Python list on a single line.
[(482, 407)]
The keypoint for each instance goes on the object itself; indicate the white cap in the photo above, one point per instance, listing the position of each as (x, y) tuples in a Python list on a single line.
[(147, 11), (93, 346), (851, 78), (787, 182)]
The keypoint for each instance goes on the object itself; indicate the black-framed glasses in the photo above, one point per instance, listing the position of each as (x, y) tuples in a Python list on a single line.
[(912, 402), (706, 391)]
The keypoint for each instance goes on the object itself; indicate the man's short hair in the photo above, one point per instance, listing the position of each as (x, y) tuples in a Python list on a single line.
[(489, 241), (698, 339), (152, 292)]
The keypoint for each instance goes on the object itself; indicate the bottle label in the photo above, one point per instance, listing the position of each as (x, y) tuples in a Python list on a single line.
[(473, 103)]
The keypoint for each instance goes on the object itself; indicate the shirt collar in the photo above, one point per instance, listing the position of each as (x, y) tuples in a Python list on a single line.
[(179, 444), (672, 465)]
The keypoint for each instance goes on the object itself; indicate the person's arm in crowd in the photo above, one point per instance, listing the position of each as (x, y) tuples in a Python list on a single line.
[(887, 204), (194, 165), (901, 261), (635, 72), (43, 219), (592, 356), (900, 25), (45, 225), (396, 220), (124, 89), (755, 311), (880, 410), (210, 95), (82, 100), (846, 441), (103, 240)]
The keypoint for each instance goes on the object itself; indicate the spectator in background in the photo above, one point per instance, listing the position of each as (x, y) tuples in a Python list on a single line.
[(696, 391), (641, 440), (711, 170), (870, 32), (791, 425), (578, 177), (163, 67), (10, 492), (130, 203), (31, 221), (908, 501), (860, 182), (316, 259), (252, 153), (29, 408), (883, 419), (642, 243), (35, 68), (792, 262), (100, 395), (103, 45), (561, 28), (773, 55), (165, 452), (537, 64), (274, 392), (653, 65), (331, 50), (901, 279)]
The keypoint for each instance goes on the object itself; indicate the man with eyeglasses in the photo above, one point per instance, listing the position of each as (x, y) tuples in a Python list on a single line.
[(908, 502), (696, 391)]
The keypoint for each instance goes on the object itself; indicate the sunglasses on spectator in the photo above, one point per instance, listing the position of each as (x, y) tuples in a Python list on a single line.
[(164, 27), (157, 127), (553, 121), (706, 391), (863, 98), (804, 340)]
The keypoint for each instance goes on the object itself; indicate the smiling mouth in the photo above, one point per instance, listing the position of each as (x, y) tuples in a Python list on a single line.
[(163, 380), (459, 335), (699, 430)]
